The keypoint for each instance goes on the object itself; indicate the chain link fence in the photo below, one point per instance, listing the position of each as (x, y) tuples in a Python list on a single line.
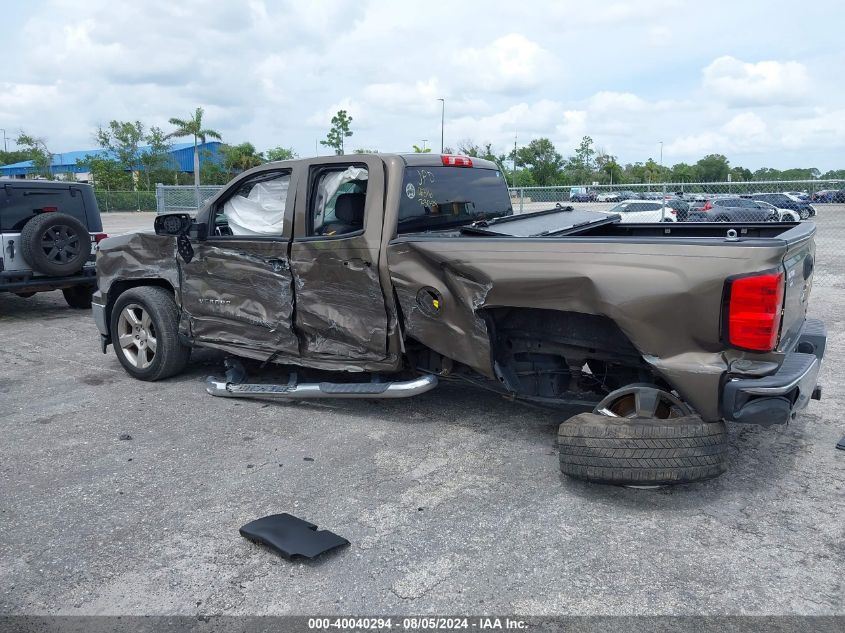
[(108, 200), (183, 198), (821, 201)]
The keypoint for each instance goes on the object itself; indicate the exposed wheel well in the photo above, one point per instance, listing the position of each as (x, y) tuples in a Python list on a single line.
[(555, 354)]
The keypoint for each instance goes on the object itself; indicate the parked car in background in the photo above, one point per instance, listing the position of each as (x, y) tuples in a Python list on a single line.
[(644, 211), (582, 196), (784, 215), (48, 237), (782, 201), (609, 196), (823, 196), (680, 208), (800, 196), (733, 210)]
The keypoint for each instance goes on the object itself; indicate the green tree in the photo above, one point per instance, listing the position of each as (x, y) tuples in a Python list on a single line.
[(15, 156), (608, 168), (834, 174), (364, 150), (280, 153), (682, 172), (419, 150), (541, 159), (239, 158), (123, 139), (713, 168), (339, 131), (580, 168), (106, 173), (740, 174), (193, 127), (157, 162), (36, 147)]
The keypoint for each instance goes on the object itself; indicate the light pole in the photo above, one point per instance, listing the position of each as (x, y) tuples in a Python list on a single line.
[(442, 121), (425, 140), (5, 148), (661, 154)]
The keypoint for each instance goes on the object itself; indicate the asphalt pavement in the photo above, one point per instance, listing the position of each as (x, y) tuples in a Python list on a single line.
[(452, 501)]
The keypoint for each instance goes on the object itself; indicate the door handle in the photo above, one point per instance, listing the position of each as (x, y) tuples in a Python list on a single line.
[(279, 265), (356, 263)]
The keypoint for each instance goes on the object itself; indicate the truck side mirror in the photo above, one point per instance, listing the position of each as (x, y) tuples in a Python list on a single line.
[(172, 224)]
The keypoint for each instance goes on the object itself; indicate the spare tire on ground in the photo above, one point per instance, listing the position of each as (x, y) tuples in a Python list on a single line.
[(642, 451), (55, 244)]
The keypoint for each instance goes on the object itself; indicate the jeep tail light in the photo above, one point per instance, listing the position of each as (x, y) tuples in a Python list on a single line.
[(707, 206), (99, 237), (456, 161), (754, 310)]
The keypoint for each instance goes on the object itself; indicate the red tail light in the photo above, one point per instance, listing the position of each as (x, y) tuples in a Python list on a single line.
[(754, 310), (99, 237), (707, 206), (456, 161)]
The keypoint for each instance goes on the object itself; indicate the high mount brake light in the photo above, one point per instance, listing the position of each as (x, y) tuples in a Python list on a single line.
[(754, 306), (49, 209), (456, 161)]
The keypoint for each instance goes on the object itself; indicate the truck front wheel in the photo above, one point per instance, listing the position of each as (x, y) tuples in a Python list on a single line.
[(144, 332)]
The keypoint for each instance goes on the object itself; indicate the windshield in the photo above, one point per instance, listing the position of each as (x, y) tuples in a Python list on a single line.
[(441, 197)]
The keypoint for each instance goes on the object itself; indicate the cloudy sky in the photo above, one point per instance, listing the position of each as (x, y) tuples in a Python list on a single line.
[(758, 81)]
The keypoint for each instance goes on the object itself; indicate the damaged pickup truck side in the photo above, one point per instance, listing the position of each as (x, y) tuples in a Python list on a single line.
[(396, 271)]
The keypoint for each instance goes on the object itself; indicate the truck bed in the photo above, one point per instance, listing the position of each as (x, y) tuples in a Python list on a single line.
[(663, 284)]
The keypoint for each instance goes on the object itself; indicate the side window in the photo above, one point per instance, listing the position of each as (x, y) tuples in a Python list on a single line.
[(256, 208), (337, 200)]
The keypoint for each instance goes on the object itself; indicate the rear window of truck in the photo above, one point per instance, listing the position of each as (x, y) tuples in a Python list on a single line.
[(443, 197)]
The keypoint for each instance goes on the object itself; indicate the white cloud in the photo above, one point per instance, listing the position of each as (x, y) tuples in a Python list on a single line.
[(274, 73), (509, 64), (762, 83)]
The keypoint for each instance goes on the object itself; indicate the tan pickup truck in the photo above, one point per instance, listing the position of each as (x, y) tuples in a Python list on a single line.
[(397, 271)]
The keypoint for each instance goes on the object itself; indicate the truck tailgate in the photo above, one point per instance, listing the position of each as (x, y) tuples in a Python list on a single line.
[(798, 263)]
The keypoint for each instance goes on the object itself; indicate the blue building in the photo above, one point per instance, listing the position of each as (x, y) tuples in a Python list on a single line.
[(69, 162)]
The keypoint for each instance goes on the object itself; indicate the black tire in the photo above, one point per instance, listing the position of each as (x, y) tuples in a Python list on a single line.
[(804, 214), (79, 297), (55, 244), (641, 451), (170, 355)]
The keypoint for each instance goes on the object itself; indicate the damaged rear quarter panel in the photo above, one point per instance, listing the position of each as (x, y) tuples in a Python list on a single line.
[(665, 296)]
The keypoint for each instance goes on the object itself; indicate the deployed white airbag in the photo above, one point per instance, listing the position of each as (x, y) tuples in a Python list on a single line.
[(261, 212)]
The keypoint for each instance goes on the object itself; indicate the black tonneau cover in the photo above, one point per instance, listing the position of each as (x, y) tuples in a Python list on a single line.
[(557, 221)]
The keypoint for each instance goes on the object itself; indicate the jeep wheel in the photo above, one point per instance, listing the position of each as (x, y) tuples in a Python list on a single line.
[(55, 244), (641, 435), (144, 332), (79, 297)]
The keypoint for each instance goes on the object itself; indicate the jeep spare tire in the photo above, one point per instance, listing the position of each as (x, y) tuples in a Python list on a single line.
[(642, 451), (55, 244)]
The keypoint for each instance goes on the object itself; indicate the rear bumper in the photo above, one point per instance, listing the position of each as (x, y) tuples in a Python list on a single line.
[(776, 398), (18, 281)]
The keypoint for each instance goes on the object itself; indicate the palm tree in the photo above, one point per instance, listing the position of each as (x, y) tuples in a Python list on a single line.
[(193, 127)]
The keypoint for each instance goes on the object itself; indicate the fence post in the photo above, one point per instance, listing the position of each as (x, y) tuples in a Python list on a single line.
[(159, 197), (197, 196), (138, 199), (521, 198)]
